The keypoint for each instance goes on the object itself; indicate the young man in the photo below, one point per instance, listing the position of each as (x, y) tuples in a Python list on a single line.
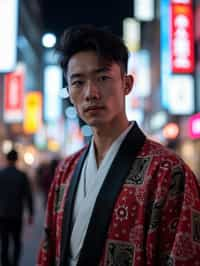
[(123, 199), (15, 192)]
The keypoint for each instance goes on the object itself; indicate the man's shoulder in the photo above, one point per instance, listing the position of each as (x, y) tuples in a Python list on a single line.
[(161, 158), (157, 150), (72, 158), (66, 166)]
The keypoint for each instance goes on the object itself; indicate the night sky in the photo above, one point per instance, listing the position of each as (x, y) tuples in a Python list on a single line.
[(59, 14)]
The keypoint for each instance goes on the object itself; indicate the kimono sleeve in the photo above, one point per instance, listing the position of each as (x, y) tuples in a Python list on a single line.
[(174, 236), (47, 251)]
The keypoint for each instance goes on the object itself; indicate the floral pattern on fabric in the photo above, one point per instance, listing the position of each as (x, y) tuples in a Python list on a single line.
[(155, 220)]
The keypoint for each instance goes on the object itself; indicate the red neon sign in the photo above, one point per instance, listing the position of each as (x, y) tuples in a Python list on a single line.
[(14, 97), (182, 2), (194, 126), (182, 37)]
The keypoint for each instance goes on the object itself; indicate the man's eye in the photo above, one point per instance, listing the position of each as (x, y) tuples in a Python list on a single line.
[(104, 78), (77, 83)]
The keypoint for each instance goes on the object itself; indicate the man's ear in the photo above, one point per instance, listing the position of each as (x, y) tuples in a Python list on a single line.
[(70, 98), (129, 82)]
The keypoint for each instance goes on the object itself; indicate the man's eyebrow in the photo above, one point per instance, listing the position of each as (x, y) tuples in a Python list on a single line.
[(95, 71), (102, 69), (76, 75)]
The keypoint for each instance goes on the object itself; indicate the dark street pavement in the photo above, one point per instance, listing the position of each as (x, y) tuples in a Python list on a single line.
[(32, 234)]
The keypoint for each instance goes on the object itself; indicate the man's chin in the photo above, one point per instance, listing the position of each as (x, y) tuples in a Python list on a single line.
[(95, 122)]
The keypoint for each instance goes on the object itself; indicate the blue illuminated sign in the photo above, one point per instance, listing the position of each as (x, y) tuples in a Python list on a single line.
[(165, 50)]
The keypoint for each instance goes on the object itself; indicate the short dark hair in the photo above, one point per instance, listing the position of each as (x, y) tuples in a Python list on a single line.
[(107, 45), (12, 156)]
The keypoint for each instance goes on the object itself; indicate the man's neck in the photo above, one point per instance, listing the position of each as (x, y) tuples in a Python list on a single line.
[(103, 139)]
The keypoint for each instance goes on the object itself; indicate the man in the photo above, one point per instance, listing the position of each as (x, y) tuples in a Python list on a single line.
[(14, 193), (123, 200)]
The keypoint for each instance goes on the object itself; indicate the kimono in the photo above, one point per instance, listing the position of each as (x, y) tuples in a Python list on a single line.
[(146, 213)]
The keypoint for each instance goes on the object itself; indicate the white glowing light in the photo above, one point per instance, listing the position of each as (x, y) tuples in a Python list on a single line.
[(49, 40), (6, 146), (28, 158)]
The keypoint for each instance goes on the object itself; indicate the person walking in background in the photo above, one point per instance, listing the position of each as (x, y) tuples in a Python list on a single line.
[(15, 192), (124, 199), (44, 176)]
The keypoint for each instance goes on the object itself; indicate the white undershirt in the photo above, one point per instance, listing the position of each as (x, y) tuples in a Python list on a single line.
[(89, 186)]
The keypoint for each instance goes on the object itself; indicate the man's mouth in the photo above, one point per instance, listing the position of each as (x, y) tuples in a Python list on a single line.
[(93, 108)]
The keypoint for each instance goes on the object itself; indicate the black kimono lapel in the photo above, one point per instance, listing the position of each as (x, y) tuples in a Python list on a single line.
[(96, 234), (68, 210)]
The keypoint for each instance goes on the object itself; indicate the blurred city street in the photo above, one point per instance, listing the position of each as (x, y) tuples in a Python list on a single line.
[(42, 123)]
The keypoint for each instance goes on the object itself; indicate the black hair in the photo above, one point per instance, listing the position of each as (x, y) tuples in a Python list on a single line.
[(12, 156), (108, 46)]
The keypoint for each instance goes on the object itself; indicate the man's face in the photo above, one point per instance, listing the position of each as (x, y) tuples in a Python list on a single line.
[(97, 89)]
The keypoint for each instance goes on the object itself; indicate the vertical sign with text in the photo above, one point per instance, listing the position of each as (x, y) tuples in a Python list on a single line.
[(33, 112), (182, 37), (14, 97), (8, 35), (165, 50)]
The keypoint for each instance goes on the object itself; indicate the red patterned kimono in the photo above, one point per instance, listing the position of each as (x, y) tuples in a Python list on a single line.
[(146, 213)]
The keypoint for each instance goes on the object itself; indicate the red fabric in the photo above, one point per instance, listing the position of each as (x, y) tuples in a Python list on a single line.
[(156, 218)]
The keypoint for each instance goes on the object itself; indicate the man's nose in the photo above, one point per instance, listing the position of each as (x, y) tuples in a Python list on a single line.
[(92, 91)]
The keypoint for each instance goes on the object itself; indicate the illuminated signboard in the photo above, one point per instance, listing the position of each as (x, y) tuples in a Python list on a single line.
[(181, 94), (74, 139), (182, 37), (14, 96), (8, 34), (131, 34), (164, 50), (52, 87), (194, 126), (196, 26), (139, 67), (182, 1), (33, 112), (144, 10)]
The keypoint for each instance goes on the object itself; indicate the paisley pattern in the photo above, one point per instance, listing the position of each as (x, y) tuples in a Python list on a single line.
[(155, 214), (196, 226), (119, 254), (167, 261), (178, 181), (138, 170), (155, 219)]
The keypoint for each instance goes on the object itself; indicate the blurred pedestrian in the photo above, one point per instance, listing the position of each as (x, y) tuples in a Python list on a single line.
[(44, 176), (123, 199), (41, 177), (52, 167), (15, 192)]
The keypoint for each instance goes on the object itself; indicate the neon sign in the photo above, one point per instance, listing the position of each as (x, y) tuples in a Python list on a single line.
[(194, 126), (182, 37)]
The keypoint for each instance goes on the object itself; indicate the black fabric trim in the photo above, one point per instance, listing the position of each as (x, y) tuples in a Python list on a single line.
[(68, 209), (96, 235)]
